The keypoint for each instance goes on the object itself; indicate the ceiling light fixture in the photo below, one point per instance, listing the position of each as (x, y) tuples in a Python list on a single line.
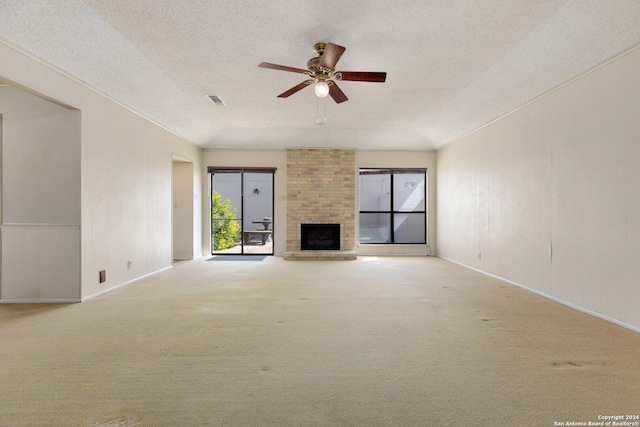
[(321, 89)]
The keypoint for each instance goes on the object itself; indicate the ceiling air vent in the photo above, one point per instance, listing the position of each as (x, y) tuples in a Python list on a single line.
[(216, 100)]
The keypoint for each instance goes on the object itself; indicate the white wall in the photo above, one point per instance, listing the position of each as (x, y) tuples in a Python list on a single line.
[(41, 199), (126, 169), (41, 154), (548, 197), (127, 164), (402, 159)]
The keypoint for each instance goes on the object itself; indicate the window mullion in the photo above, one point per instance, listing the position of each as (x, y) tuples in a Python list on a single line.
[(391, 209)]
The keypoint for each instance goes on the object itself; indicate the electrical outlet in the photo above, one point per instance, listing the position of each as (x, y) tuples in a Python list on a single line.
[(103, 276), (128, 265), (479, 255)]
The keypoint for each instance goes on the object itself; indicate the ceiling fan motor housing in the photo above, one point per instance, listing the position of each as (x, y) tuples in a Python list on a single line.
[(314, 63), (319, 48)]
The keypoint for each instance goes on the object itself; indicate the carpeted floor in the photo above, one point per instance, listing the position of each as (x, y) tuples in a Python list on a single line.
[(372, 342)]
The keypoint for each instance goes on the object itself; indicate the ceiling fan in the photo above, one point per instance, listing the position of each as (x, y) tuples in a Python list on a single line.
[(322, 71)]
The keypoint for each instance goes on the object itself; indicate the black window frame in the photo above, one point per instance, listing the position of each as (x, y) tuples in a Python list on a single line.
[(212, 171), (391, 212)]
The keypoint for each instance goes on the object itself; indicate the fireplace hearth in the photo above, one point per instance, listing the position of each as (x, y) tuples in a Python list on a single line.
[(320, 237)]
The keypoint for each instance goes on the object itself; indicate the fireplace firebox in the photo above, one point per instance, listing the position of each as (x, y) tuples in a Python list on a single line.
[(320, 237)]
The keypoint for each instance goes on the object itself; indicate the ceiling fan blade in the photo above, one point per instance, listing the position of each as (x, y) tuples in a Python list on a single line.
[(282, 68), (336, 93), (296, 88), (361, 76), (331, 55)]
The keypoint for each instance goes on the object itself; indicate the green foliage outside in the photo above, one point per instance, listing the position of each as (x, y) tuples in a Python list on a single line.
[(225, 230)]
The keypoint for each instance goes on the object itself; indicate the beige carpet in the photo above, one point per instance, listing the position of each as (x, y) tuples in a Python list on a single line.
[(372, 342)]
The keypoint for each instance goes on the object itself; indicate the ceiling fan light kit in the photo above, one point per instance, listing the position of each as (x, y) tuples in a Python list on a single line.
[(321, 70), (321, 89)]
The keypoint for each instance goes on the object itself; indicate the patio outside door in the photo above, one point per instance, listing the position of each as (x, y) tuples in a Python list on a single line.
[(241, 211)]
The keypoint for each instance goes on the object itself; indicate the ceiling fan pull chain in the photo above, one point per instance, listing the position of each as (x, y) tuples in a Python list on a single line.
[(321, 118)]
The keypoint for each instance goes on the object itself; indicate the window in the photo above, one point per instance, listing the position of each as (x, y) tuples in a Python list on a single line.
[(393, 206)]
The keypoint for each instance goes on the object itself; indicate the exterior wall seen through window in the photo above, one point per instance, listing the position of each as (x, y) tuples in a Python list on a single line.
[(393, 208)]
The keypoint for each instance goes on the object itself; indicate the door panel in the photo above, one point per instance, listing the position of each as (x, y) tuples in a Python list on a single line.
[(242, 212)]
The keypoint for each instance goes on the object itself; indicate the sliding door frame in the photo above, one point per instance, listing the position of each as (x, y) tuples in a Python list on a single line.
[(212, 170)]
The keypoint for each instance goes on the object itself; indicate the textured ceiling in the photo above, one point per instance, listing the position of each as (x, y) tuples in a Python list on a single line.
[(452, 66)]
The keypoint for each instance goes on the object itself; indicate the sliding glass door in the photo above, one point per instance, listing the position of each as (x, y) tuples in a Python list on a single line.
[(241, 211)]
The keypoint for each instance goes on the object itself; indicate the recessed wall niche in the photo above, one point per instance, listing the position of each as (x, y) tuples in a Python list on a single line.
[(40, 191)]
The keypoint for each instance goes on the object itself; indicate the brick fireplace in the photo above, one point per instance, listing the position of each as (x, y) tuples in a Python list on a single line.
[(321, 189)]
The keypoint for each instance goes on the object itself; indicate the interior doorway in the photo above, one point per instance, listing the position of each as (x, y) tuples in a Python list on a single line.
[(242, 211), (183, 209)]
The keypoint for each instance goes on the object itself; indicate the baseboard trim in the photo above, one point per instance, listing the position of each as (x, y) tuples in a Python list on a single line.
[(551, 297), (106, 291), (40, 301)]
